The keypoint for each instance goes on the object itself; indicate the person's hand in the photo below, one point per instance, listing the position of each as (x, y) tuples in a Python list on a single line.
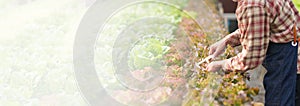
[(217, 48), (215, 66)]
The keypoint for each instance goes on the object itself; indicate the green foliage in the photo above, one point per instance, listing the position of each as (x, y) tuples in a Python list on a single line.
[(207, 88), (175, 54), (148, 53), (36, 50), (297, 4)]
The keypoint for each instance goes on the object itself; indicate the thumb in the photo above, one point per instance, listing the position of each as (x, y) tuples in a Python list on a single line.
[(218, 52), (213, 56), (208, 67)]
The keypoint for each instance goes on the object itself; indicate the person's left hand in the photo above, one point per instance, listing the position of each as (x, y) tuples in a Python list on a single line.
[(215, 66)]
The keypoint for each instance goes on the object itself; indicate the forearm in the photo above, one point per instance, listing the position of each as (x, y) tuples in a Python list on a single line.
[(233, 39)]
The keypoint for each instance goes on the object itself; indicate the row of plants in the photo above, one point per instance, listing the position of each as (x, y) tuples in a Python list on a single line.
[(207, 88), (154, 23), (170, 54)]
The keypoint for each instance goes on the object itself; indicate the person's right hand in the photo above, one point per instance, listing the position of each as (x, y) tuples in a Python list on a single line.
[(217, 48)]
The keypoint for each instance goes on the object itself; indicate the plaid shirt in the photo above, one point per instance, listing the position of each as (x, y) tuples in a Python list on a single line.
[(259, 22)]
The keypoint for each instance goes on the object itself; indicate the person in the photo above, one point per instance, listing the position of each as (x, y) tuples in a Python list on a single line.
[(265, 33)]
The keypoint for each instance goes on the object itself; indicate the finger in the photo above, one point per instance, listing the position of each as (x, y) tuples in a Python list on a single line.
[(213, 56), (211, 50), (218, 52), (209, 67)]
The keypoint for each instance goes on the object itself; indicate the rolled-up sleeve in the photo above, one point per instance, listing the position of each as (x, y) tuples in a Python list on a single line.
[(254, 32), (233, 39)]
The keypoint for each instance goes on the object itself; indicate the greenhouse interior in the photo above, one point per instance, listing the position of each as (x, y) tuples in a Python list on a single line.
[(143, 53)]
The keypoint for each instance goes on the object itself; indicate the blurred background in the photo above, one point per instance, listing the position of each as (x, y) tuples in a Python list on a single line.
[(36, 43)]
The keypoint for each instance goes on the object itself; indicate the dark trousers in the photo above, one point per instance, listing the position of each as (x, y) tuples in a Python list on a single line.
[(298, 91), (280, 79)]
